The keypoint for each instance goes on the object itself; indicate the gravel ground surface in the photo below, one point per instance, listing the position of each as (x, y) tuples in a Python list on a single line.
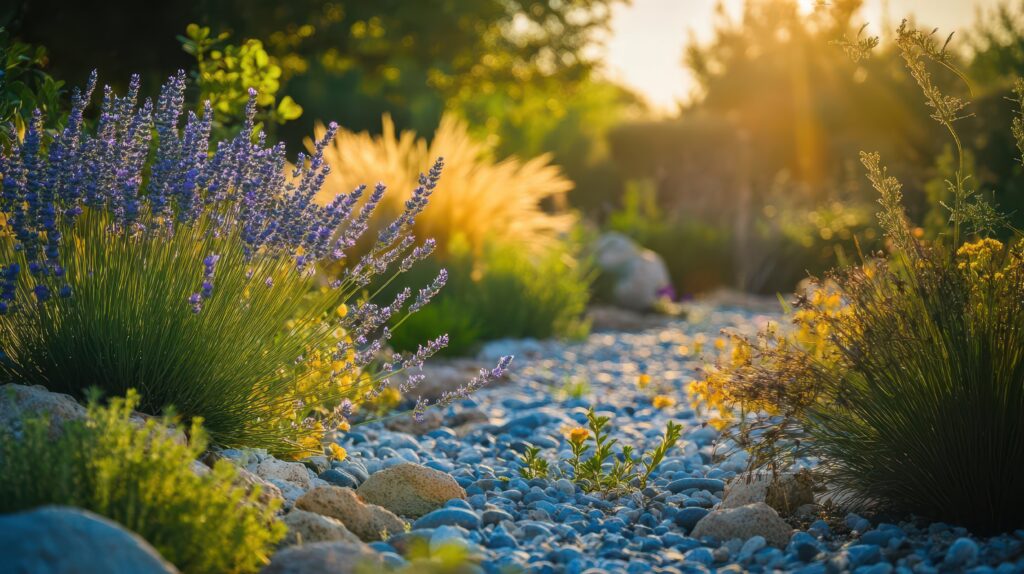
[(541, 525)]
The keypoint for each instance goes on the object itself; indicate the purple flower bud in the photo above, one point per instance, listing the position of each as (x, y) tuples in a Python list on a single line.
[(42, 292)]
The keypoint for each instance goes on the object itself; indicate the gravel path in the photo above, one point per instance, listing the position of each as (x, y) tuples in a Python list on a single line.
[(552, 526)]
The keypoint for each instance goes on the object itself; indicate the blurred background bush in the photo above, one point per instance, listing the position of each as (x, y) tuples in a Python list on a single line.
[(749, 183)]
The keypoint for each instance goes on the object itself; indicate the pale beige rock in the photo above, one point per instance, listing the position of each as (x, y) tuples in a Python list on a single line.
[(293, 472), (744, 522), (432, 419), (268, 491), (639, 274), (306, 527), (410, 489), (784, 492), (443, 375), (20, 401), (326, 557), (367, 521)]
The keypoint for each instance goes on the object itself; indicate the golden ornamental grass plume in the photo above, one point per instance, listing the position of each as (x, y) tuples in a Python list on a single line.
[(479, 198)]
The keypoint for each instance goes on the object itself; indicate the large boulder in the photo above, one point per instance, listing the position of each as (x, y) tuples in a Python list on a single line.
[(20, 401), (58, 540), (410, 489), (744, 522), (785, 492), (639, 276), (332, 557), (306, 527), (367, 521)]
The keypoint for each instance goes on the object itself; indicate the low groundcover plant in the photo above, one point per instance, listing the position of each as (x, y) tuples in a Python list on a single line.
[(142, 476), (604, 469), (135, 257)]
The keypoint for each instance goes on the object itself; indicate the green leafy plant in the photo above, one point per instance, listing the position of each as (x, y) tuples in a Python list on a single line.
[(25, 87), (141, 475), (908, 362), (626, 470), (534, 465), (652, 459), (502, 293), (575, 388), (226, 72)]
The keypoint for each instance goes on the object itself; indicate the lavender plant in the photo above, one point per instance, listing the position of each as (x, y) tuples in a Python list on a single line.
[(135, 256)]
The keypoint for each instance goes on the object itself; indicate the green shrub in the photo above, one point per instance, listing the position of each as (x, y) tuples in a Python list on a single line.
[(706, 261), (905, 376), (225, 73), (25, 87), (505, 293), (141, 476)]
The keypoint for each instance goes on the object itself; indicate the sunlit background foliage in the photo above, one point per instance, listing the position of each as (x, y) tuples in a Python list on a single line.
[(755, 170)]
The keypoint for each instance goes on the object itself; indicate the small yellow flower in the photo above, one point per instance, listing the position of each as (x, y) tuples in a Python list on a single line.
[(662, 401), (719, 343), (344, 426), (643, 380), (577, 435), (337, 452), (342, 310)]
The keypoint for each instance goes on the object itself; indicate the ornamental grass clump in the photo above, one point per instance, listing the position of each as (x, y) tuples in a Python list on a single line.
[(904, 375), (141, 475), (507, 202), (134, 256)]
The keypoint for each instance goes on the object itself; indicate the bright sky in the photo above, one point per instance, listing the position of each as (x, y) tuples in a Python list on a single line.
[(645, 50)]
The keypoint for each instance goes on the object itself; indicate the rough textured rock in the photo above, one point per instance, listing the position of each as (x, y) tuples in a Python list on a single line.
[(55, 539), (367, 521), (294, 472), (306, 527), (444, 375), (639, 275), (432, 419), (17, 401), (332, 557), (785, 493), (744, 522), (410, 489), (268, 491), (289, 491)]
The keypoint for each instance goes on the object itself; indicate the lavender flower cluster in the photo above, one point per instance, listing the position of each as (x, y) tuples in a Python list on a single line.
[(151, 188)]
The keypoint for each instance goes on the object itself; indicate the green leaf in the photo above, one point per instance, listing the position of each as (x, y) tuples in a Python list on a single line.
[(287, 109)]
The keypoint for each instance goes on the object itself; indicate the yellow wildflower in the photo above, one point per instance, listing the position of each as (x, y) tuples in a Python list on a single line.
[(337, 452), (643, 380), (577, 435), (344, 426), (342, 310), (719, 343), (662, 401)]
